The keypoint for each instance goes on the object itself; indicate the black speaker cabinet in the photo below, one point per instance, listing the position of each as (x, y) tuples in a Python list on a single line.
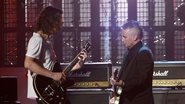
[(89, 97), (169, 96), (8, 88)]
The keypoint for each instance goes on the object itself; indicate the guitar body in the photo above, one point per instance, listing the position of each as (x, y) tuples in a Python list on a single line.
[(49, 90)]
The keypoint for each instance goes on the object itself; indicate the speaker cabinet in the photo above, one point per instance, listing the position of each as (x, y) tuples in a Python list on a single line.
[(8, 88), (169, 96), (89, 97)]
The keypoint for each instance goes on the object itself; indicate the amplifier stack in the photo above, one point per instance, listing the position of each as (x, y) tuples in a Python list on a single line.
[(91, 83), (169, 74), (169, 82)]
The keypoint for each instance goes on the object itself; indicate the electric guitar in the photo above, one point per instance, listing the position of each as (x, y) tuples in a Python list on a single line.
[(116, 90), (50, 91)]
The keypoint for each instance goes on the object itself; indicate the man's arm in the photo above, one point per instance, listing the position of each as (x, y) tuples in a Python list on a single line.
[(31, 64)]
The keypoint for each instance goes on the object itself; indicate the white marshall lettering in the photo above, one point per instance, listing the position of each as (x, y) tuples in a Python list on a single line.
[(161, 73), (82, 74)]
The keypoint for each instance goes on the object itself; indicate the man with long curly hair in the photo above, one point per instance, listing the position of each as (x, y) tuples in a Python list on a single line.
[(40, 57)]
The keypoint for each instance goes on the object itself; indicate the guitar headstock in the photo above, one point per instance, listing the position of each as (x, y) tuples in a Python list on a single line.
[(87, 47), (115, 74)]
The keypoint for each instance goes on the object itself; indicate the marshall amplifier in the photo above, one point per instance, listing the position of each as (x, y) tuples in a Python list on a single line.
[(94, 96), (91, 75), (169, 74), (168, 96)]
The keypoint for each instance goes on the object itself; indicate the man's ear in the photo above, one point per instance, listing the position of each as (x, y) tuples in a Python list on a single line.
[(135, 37)]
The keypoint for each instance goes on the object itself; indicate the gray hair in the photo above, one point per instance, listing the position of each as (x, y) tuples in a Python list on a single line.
[(134, 25)]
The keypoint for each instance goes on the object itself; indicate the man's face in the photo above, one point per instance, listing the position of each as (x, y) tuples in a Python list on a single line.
[(58, 25), (61, 21), (129, 36)]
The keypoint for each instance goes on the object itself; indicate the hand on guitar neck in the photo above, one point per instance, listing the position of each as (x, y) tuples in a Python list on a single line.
[(81, 57), (61, 76), (117, 87), (114, 79)]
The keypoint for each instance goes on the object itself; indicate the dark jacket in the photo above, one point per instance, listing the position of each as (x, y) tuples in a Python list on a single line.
[(137, 73)]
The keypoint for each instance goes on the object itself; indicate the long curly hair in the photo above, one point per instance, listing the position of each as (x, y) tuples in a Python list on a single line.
[(49, 19)]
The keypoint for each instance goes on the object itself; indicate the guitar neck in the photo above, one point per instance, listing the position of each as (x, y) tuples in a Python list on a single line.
[(71, 65), (75, 60), (115, 76)]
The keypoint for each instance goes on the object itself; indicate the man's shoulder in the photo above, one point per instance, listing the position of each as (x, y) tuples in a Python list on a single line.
[(36, 35), (144, 48), (36, 38)]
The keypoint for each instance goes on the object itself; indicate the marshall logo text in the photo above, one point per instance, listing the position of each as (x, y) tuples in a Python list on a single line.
[(81, 74), (161, 73)]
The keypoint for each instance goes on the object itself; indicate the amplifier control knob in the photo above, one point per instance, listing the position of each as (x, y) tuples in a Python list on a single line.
[(93, 84)]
